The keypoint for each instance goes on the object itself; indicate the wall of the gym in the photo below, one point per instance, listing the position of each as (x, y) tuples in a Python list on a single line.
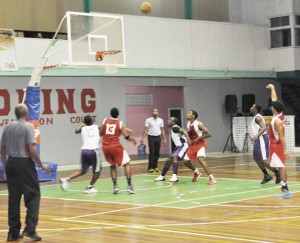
[(45, 15), (60, 144), (258, 12), (183, 44)]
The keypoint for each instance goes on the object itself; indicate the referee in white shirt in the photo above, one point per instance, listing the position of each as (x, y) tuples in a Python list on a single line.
[(154, 129)]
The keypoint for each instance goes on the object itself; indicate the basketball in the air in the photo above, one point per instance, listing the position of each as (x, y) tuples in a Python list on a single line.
[(146, 7)]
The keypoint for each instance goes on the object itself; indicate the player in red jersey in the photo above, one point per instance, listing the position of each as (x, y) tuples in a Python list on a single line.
[(111, 130), (278, 150), (198, 134)]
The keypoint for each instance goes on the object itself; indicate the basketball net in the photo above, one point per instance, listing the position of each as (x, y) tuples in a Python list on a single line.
[(109, 57)]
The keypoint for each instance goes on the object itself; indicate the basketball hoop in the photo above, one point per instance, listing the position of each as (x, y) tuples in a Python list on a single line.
[(100, 55), (109, 57)]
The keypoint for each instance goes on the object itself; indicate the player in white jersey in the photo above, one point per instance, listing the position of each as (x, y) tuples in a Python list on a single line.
[(181, 140), (90, 155), (260, 141)]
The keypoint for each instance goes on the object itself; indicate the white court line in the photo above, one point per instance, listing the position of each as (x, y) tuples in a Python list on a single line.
[(149, 228), (226, 222)]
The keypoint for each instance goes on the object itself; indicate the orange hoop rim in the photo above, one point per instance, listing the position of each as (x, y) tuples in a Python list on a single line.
[(99, 55)]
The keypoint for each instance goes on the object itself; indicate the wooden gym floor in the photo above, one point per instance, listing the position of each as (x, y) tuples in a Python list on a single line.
[(237, 209)]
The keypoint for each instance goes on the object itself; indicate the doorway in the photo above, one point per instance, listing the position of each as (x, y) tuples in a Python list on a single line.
[(178, 113)]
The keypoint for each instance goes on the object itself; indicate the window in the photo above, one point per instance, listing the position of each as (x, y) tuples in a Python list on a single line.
[(297, 36), (280, 32), (280, 21), (297, 20), (281, 38)]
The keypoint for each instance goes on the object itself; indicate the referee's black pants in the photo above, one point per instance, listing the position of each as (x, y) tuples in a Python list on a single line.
[(154, 151), (22, 179)]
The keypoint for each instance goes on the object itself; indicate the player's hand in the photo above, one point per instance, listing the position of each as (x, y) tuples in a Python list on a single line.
[(287, 155), (254, 138), (46, 168), (270, 86)]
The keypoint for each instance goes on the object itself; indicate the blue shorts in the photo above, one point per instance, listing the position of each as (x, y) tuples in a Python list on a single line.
[(90, 158), (180, 151), (261, 148)]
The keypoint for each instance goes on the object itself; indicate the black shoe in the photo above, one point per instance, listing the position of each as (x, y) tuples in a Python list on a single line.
[(266, 179), (10, 237), (278, 178), (33, 237)]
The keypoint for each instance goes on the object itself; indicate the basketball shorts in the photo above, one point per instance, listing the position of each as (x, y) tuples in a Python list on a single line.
[(276, 155), (90, 158), (115, 154), (180, 151), (195, 151), (261, 148)]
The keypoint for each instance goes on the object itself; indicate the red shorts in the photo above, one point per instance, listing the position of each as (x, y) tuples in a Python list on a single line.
[(113, 153), (277, 149), (193, 150)]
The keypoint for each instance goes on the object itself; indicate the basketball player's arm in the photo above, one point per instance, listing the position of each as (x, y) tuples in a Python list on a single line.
[(145, 133), (3, 158), (184, 132), (262, 129), (78, 129), (279, 128), (126, 135), (205, 131), (271, 87), (101, 132)]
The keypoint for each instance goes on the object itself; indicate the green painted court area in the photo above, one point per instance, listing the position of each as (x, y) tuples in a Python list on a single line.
[(184, 194)]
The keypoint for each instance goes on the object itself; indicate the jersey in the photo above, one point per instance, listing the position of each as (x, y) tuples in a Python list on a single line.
[(256, 127), (90, 137), (112, 131), (180, 142), (111, 146), (194, 132), (196, 149), (177, 138), (276, 149)]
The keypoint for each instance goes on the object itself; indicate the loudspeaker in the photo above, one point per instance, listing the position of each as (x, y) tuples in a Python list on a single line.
[(248, 101), (230, 103)]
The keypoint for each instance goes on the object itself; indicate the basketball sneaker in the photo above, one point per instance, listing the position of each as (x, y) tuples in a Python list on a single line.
[(266, 179), (33, 237), (130, 189), (150, 171), (116, 189), (196, 175), (174, 178), (160, 178), (156, 170), (284, 195), (211, 181), (278, 178), (90, 189), (64, 184)]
